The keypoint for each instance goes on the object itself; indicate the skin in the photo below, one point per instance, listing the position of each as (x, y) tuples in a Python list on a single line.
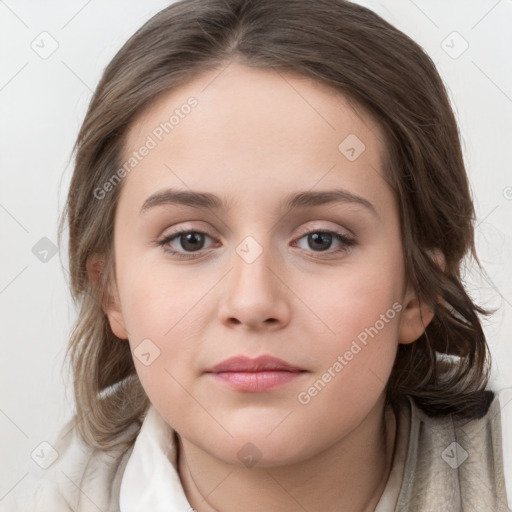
[(254, 137)]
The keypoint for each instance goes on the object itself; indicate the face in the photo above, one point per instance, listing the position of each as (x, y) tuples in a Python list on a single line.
[(296, 255)]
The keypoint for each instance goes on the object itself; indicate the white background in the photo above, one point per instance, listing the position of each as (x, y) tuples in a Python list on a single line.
[(43, 102)]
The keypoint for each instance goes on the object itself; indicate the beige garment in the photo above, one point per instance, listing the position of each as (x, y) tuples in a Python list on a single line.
[(454, 464)]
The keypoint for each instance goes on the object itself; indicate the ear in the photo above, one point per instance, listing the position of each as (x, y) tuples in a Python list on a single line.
[(110, 303), (415, 318), (417, 315)]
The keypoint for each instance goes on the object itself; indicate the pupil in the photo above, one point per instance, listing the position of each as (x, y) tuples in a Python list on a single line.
[(321, 237), (192, 239)]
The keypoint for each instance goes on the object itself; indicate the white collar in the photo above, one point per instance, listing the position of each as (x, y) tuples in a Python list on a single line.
[(151, 480)]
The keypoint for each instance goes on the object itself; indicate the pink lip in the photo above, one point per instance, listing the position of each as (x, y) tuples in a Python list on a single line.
[(255, 375), (246, 364)]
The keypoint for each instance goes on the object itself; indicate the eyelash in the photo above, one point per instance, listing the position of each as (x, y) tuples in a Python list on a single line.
[(347, 243)]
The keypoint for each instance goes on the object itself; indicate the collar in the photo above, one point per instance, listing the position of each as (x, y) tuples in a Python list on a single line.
[(151, 480)]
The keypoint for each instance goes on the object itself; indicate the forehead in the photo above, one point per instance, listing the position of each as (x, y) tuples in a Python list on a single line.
[(248, 128)]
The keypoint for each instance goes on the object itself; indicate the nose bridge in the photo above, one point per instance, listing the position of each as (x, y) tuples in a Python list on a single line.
[(255, 293), (254, 264)]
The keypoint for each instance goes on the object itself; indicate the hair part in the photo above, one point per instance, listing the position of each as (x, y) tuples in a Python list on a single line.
[(373, 65)]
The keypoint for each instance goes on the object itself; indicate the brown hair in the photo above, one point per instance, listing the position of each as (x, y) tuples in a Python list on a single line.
[(375, 66)]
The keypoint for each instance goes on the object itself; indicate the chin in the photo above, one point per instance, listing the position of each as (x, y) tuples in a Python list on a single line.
[(255, 448)]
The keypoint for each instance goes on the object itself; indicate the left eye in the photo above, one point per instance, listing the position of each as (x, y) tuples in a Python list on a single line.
[(194, 241), (321, 241)]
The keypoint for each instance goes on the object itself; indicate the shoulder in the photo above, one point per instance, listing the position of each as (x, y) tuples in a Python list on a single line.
[(73, 477), (460, 461)]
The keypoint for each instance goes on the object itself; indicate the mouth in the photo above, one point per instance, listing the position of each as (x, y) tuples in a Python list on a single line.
[(264, 373)]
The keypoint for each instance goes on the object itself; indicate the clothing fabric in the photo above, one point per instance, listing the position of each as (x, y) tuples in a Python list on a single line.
[(439, 463)]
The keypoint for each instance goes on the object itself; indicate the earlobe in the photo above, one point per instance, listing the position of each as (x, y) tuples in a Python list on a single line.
[(115, 316), (417, 315), (415, 318), (110, 303)]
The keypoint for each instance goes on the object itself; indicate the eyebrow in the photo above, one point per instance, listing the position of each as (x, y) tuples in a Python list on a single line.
[(295, 200)]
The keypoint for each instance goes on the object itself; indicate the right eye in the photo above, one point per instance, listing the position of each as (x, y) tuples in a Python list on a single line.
[(189, 240)]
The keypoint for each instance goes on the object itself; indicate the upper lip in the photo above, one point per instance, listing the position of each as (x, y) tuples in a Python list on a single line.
[(246, 364)]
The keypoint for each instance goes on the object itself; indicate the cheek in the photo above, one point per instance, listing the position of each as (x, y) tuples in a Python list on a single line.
[(165, 314), (355, 300), (159, 303), (360, 313)]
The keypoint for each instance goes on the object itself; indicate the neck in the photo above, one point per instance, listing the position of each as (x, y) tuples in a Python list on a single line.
[(349, 475)]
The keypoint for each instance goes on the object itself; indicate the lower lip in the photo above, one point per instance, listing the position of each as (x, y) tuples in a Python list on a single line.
[(256, 382)]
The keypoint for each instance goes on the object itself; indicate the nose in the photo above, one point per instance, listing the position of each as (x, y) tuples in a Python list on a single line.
[(255, 295)]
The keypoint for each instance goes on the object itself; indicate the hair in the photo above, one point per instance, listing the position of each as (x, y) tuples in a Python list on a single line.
[(374, 66)]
